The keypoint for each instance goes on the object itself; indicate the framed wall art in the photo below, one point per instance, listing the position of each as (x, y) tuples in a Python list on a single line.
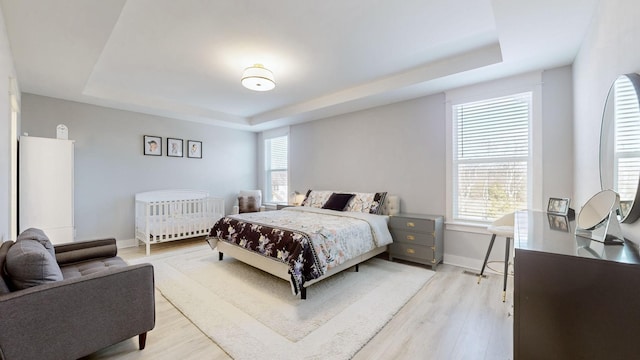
[(152, 145), (194, 149), (174, 147)]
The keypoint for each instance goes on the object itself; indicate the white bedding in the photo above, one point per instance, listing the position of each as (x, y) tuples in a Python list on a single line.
[(336, 236)]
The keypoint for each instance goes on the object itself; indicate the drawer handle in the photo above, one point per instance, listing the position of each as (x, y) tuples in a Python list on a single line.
[(411, 251), (410, 224), (433, 234), (411, 237)]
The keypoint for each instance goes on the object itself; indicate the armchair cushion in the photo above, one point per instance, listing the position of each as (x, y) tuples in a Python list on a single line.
[(257, 195), (89, 267), (29, 263), (247, 204)]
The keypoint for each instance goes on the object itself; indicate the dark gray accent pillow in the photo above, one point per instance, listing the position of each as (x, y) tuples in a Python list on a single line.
[(4, 285), (247, 204), (29, 264), (337, 201), (39, 236)]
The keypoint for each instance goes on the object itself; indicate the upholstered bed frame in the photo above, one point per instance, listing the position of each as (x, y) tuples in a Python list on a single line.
[(391, 206)]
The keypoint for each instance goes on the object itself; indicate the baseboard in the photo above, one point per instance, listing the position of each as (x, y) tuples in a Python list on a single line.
[(127, 243), (468, 263)]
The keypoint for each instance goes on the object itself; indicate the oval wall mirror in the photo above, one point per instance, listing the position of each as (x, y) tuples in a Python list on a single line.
[(620, 145)]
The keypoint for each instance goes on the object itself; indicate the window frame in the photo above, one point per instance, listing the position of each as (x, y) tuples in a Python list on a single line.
[(266, 162), (530, 82)]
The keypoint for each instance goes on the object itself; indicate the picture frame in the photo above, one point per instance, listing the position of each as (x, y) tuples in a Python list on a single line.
[(558, 206), (558, 222), (174, 147), (194, 149), (152, 145)]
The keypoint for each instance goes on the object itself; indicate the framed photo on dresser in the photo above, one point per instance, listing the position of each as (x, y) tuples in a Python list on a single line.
[(558, 206)]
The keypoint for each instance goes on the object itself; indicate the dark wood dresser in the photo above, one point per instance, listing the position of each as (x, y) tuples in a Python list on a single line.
[(574, 298)]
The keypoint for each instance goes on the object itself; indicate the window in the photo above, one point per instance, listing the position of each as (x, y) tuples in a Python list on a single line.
[(277, 173), (491, 162)]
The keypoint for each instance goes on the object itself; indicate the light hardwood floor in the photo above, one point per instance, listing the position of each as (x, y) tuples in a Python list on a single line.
[(451, 317)]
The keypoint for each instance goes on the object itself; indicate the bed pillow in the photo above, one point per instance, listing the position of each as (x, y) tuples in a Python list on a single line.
[(247, 204), (378, 202), (337, 201), (316, 198), (367, 203), (361, 202), (306, 198)]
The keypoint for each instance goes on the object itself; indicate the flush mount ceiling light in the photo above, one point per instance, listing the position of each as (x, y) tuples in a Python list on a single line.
[(258, 78)]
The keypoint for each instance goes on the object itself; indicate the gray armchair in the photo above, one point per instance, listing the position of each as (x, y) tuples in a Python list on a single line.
[(99, 301)]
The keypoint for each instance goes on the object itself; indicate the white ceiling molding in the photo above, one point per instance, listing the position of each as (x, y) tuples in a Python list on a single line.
[(183, 59)]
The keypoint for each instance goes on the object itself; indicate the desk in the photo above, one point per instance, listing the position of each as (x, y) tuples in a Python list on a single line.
[(574, 298)]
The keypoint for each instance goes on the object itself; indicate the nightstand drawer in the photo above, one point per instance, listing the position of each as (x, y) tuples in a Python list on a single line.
[(401, 250), (410, 237), (411, 224)]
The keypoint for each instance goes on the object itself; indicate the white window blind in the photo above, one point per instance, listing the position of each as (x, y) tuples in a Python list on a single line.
[(491, 157), (276, 151), (627, 137)]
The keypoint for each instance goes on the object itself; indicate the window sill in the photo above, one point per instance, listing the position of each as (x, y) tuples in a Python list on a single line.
[(468, 227)]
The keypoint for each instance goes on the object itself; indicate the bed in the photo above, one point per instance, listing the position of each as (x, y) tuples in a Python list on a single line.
[(308, 243), (168, 215)]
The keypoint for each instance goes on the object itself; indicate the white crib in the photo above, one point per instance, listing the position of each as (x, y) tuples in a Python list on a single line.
[(168, 215)]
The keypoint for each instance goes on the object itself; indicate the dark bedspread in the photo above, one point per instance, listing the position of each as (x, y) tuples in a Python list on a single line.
[(291, 247)]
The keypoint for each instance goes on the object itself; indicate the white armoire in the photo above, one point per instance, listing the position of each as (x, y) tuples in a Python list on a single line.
[(45, 193)]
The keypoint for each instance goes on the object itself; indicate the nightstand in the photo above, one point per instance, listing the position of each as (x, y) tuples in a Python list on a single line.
[(417, 238)]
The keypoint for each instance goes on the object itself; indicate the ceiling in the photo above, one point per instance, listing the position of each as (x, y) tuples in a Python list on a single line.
[(184, 59)]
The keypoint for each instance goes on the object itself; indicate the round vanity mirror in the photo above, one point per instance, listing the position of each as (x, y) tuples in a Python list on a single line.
[(597, 209), (620, 145)]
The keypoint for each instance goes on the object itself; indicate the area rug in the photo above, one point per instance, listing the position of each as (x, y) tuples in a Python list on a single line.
[(253, 315)]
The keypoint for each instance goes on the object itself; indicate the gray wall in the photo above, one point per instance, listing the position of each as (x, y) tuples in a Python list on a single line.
[(6, 70), (110, 166), (397, 148), (557, 134), (401, 148), (609, 49)]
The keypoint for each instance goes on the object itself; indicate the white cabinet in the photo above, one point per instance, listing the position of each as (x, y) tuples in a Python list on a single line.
[(45, 190)]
